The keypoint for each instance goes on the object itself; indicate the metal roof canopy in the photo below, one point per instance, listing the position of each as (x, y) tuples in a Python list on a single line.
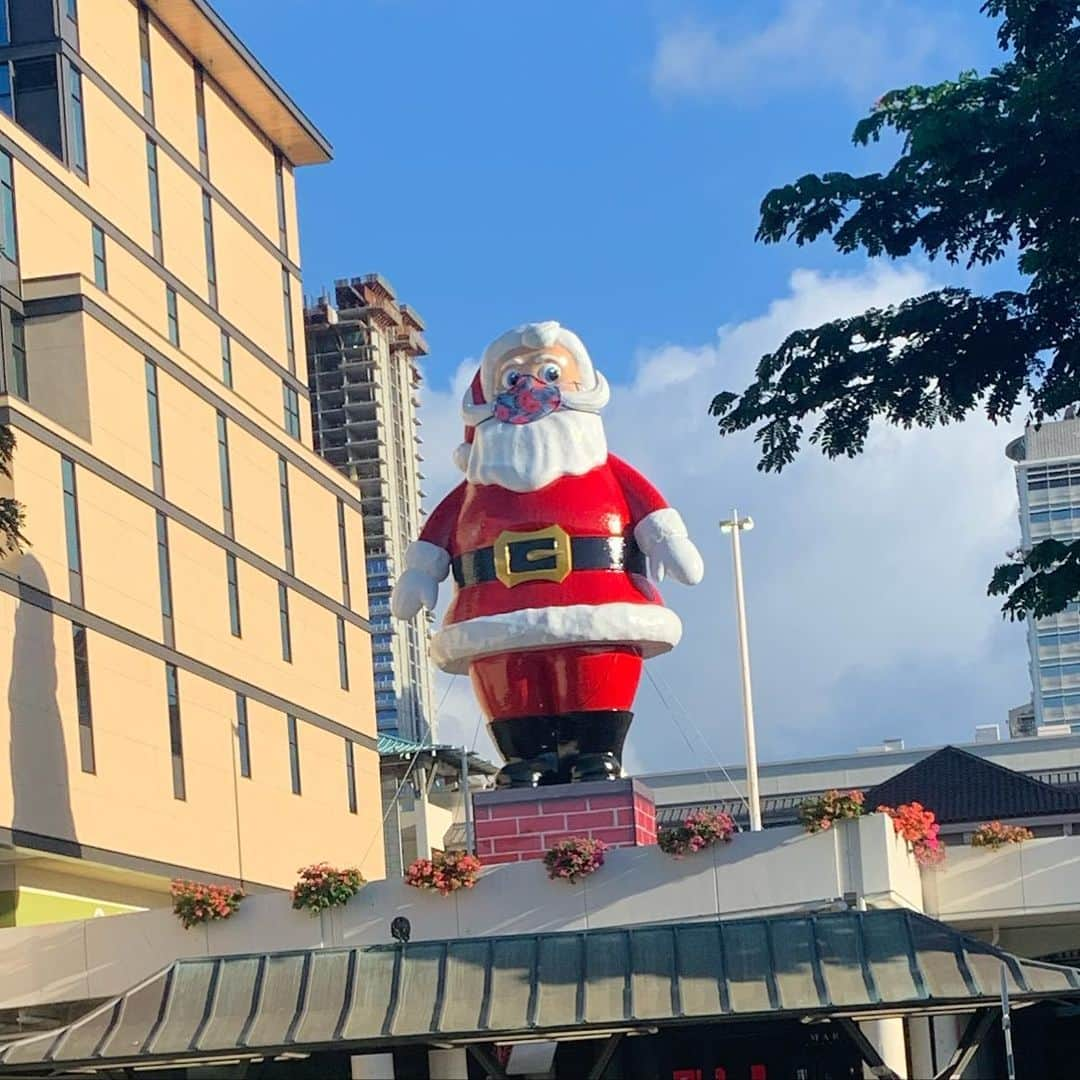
[(502, 989), (225, 57), (395, 751)]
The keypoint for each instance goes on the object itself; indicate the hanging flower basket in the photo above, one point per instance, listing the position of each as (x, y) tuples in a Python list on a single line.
[(822, 811), (699, 830), (445, 872), (920, 829), (195, 903), (322, 886), (994, 835), (573, 858)]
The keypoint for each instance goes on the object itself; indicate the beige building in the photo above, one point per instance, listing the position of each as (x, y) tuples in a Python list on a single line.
[(185, 645)]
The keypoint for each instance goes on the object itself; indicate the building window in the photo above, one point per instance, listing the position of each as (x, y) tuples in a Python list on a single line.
[(155, 197), (294, 754), (292, 410), (225, 474), (200, 121), (234, 593), (78, 121), (283, 619), (7, 102), (176, 738), (208, 240), (82, 698), (243, 736), (101, 270), (286, 294), (286, 513), (165, 579), (342, 655), (343, 554), (350, 775), (71, 528), (279, 179), (8, 246), (37, 97), (18, 357), (72, 10), (144, 64), (5, 24), (173, 315), (226, 359), (153, 412)]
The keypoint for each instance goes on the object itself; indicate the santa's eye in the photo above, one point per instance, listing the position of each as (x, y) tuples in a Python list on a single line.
[(510, 378), (551, 373)]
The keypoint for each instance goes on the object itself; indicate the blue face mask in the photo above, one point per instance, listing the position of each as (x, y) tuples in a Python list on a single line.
[(527, 400)]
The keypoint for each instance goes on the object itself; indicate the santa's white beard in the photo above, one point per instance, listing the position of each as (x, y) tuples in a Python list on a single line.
[(525, 457)]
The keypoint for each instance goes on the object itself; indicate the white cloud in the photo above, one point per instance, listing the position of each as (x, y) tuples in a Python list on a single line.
[(865, 579), (862, 47)]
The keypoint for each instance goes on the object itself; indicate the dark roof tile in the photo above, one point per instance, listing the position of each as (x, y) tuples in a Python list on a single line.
[(960, 786)]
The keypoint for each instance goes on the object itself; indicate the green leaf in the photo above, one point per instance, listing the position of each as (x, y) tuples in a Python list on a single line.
[(988, 168)]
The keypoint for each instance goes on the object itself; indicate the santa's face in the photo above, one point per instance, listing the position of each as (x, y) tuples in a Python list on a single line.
[(554, 366), (535, 435)]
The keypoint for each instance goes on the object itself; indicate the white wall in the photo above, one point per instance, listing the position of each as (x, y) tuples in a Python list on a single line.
[(1038, 877), (757, 873)]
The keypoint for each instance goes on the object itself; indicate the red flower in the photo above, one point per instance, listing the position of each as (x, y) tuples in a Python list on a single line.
[(196, 903), (575, 857), (444, 872), (821, 811), (918, 827), (699, 830), (321, 886), (994, 834)]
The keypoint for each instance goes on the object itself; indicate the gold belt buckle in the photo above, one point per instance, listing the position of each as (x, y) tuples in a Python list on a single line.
[(543, 555)]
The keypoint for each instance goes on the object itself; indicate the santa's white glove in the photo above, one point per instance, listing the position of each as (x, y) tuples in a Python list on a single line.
[(425, 566), (662, 537)]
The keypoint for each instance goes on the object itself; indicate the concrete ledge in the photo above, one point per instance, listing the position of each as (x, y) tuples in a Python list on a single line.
[(760, 873)]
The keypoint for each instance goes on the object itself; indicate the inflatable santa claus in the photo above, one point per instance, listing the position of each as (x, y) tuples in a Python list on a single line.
[(550, 540)]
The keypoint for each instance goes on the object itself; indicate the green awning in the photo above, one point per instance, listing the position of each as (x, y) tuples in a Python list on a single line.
[(846, 963), (395, 748)]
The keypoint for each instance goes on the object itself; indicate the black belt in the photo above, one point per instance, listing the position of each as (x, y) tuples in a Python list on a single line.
[(546, 555)]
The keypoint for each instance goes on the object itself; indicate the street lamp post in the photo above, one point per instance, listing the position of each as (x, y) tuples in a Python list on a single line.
[(735, 525)]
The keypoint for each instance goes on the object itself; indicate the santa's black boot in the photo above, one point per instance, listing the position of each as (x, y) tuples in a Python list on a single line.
[(529, 744), (591, 744)]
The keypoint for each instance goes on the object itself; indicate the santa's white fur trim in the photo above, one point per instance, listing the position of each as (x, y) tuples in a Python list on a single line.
[(461, 455), (658, 527), (428, 558), (649, 627)]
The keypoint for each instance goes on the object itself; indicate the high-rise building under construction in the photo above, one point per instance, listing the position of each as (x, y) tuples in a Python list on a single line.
[(363, 377)]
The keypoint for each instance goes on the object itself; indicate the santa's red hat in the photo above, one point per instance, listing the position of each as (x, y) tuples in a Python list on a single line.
[(475, 395), (476, 404)]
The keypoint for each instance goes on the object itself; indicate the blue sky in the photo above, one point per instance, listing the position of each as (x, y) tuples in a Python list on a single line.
[(602, 163)]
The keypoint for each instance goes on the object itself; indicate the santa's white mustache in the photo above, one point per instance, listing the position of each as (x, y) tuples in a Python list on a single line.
[(526, 457)]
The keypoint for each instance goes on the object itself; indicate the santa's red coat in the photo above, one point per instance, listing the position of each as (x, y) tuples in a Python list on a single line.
[(588, 606)]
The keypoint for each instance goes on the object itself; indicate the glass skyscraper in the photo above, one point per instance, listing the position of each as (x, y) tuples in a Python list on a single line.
[(1047, 462)]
